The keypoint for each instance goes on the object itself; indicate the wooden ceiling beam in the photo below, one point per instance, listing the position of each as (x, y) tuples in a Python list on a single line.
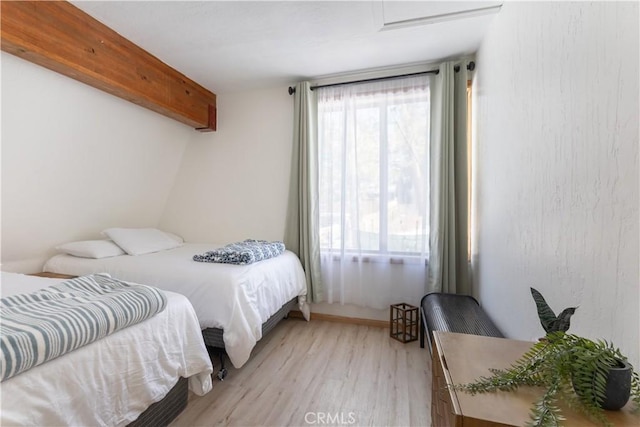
[(61, 37)]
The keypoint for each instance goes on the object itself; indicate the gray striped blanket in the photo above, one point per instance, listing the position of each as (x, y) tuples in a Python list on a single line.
[(48, 323), (246, 252)]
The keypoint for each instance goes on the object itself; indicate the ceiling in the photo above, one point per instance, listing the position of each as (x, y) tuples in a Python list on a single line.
[(239, 45)]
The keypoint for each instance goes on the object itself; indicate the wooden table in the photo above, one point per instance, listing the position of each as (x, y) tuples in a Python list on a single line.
[(461, 358)]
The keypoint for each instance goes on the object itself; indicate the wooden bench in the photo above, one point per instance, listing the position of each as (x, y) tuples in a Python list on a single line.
[(454, 313)]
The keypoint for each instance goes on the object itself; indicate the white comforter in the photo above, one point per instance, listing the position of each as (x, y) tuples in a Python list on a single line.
[(235, 298), (111, 381)]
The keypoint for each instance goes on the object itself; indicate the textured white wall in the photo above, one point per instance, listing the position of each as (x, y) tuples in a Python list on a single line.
[(557, 168), (76, 160), (234, 184)]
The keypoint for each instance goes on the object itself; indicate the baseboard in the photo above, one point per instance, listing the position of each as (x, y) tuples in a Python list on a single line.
[(341, 319)]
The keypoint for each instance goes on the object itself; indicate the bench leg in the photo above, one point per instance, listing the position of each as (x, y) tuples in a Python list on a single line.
[(421, 330)]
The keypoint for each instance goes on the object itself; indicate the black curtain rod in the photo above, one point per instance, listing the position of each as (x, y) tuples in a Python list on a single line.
[(377, 79), (471, 66), (292, 90)]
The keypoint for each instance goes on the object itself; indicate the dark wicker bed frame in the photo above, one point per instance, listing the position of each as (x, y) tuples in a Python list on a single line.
[(164, 411)]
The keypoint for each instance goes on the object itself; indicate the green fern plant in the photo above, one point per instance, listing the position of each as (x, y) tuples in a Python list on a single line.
[(570, 368)]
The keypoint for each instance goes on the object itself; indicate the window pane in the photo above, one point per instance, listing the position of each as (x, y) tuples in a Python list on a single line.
[(363, 191), (330, 133), (373, 145), (408, 176)]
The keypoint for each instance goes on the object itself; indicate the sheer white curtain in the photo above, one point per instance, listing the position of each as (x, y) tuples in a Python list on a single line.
[(373, 151)]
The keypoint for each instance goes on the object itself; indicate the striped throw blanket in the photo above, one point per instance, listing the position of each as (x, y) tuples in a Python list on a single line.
[(48, 323), (246, 252)]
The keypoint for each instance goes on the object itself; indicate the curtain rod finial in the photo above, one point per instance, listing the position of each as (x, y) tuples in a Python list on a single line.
[(470, 66), (292, 90)]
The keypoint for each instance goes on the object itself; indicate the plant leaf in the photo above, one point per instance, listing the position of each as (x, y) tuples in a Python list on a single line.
[(545, 313), (562, 323)]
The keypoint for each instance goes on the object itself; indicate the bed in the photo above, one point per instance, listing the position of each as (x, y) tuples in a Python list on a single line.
[(235, 304), (139, 375)]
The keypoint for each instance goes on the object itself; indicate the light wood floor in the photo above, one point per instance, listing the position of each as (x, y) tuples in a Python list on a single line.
[(321, 373)]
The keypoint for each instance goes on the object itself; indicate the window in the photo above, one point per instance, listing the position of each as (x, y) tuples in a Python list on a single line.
[(373, 144)]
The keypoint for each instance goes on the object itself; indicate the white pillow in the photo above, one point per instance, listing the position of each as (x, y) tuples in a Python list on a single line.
[(91, 249), (175, 237), (138, 241)]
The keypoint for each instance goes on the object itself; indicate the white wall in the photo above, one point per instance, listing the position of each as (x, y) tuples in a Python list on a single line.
[(557, 168), (233, 184), (76, 160)]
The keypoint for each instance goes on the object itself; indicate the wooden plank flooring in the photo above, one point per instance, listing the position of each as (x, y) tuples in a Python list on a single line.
[(321, 373)]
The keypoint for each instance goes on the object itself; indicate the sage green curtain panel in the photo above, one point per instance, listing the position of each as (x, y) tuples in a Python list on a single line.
[(301, 232), (448, 266)]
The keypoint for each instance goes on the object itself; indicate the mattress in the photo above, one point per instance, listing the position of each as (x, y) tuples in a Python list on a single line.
[(235, 298), (111, 381)]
